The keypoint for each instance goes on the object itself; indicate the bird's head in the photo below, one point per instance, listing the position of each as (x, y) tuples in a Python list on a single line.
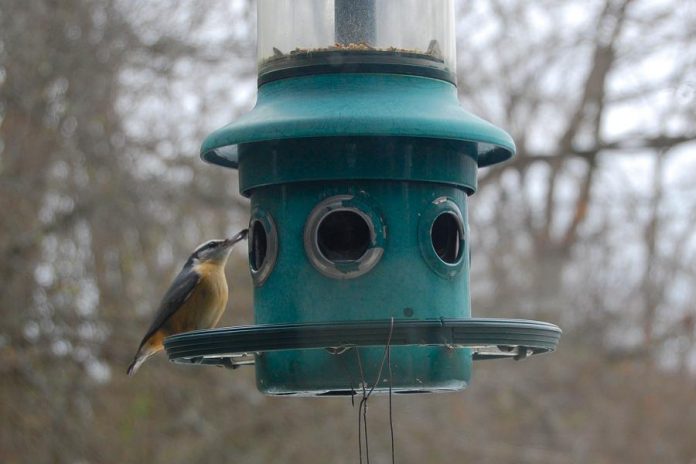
[(216, 251)]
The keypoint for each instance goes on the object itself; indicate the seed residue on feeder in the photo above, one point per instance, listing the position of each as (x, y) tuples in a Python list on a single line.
[(433, 51)]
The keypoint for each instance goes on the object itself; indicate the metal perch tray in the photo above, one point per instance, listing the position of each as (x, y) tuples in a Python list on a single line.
[(487, 338)]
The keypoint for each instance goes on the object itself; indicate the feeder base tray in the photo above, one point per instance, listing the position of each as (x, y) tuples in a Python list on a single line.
[(487, 338), (344, 358)]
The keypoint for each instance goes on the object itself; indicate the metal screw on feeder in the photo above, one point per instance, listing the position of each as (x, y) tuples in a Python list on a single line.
[(359, 161)]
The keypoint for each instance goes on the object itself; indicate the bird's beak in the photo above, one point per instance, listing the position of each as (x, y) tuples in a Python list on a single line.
[(239, 237)]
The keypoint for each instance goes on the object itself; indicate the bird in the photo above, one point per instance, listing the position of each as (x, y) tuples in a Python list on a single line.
[(195, 300)]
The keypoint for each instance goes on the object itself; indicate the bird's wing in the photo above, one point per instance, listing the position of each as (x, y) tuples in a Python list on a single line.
[(176, 295)]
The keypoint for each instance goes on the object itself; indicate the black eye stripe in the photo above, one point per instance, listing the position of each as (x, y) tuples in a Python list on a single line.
[(209, 246)]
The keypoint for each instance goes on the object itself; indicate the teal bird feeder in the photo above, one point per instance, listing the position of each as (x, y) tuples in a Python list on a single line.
[(359, 161)]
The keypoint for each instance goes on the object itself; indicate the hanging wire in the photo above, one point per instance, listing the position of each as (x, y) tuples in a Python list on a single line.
[(362, 407), (360, 411), (391, 419), (384, 358)]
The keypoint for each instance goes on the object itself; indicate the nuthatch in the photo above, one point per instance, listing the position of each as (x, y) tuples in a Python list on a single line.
[(195, 300)]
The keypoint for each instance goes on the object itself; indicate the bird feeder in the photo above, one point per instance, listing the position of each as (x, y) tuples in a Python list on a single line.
[(359, 161)]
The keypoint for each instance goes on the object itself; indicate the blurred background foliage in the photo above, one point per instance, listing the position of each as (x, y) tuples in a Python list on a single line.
[(103, 104)]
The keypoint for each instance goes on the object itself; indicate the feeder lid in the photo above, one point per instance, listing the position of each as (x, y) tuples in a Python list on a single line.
[(384, 105)]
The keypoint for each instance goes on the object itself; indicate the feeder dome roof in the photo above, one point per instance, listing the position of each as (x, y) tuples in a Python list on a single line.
[(331, 105)]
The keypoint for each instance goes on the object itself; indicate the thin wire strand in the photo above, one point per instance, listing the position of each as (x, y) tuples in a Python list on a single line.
[(362, 407), (344, 364), (391, 419), (360, 412), (367, 445), (359, 436), (384, 358)]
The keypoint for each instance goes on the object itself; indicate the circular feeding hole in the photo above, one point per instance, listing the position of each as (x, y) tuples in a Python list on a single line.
[(343, 236), (446, 237), (259, 245)]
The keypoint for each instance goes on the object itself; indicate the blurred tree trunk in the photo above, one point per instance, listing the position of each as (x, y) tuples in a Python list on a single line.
[(83, 227)]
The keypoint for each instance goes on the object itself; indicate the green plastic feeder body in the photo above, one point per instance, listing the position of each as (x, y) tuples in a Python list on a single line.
[(358, 161)]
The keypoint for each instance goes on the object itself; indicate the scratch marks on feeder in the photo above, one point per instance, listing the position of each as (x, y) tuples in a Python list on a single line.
[(336, 350), (362, 406)]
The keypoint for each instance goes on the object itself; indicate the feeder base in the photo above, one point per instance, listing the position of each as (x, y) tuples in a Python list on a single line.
[(339, 359), (422, 369)]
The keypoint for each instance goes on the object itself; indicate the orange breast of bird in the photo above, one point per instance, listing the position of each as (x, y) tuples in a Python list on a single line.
[(204, 307)]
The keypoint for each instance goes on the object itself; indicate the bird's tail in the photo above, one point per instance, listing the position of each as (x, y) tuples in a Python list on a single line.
[(135, 365), (143, 354)]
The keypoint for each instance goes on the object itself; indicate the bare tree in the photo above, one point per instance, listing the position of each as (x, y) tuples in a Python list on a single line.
[(102, 107)]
